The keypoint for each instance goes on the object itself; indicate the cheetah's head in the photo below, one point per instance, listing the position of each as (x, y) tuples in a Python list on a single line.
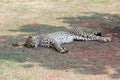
[(30, 42)]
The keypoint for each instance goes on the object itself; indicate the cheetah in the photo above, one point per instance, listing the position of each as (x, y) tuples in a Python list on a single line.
[(56, 39)]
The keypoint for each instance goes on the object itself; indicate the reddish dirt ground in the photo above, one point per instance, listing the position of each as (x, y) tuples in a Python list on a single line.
[(105, 55)]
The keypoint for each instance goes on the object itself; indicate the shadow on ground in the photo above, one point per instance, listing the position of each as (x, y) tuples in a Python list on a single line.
[(38, 28), (93, 58), (93, 20)]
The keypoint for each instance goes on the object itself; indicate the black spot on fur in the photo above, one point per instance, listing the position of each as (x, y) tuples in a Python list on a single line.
[(99, 34)]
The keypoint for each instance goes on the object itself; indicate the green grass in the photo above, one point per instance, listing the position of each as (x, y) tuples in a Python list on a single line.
[(17, 56)]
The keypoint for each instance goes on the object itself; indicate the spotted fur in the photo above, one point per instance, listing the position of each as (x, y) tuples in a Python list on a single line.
[(55, 39)]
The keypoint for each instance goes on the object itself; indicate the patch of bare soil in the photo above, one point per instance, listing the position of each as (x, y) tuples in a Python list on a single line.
[(116, 34), (104, 55)]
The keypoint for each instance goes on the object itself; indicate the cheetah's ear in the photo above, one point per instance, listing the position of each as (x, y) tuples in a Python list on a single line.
[(30, 37)]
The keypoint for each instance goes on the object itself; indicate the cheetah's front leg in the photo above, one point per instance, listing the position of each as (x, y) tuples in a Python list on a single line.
[(59, 48)]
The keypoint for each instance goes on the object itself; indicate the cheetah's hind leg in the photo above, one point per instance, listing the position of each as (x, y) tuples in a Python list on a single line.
[(93, 38), (97, 34)]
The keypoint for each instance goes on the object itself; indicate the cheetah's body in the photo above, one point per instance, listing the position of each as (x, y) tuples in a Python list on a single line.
[(55, 39)]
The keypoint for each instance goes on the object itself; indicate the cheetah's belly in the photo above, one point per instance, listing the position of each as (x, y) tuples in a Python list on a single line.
[(62, 37), (68, 39)]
